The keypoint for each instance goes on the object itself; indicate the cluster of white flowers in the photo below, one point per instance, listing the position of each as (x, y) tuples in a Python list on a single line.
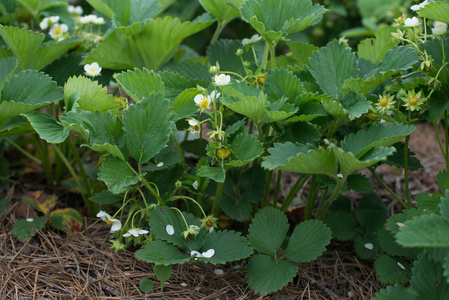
[(439, 28), (57, 30), (92, 19)]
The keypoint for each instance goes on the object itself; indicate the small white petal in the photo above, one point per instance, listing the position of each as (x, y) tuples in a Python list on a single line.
[(369, 246), (211, 229), (30, 220), (101, 214), (195, 184), (209, 253), (170, 229), (401, 266), (349, 294), (218, 272), (160, 164), (183, 284), (116, 225), (127, 234), (195, 254)]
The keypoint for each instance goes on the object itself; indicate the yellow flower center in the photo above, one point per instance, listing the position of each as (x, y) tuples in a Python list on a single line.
[(400, 20), (413, 101), (383, 102), (93, 70), (58, 31), (204, 103), (108, 221)]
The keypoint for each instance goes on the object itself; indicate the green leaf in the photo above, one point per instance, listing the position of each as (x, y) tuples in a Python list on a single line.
[(215, 173), (438, 11), (301, 159), (301, 52), (428, 279), (116, 53), (223, 52), (366, 247), (106, 197), (282, 82), (382, 135), (342, 225), (146, 285), (308, 241), (397, 159), (140, 83), (184, 105), (102, 132), (396, 292), (392, 270), (374, 49), (148, 127), (47, 127), (7, 68), (228, 246), (265, 275), (117, 175), (389, 245), (424, 231), (23, 43), (26, 92), (250, 106), (161, 253), (221, 10), (267, 230), (443, 180), (246, 147), (24, 229), (275, 22), (397, 59), (67, 220), (359, 183), (163, 216), (51, 51), (16, 126), (92, 96), (163, 273), (142, 11), (355, 105), (369, 220), (428, 202), (237, 209), (444, 206), (331, 65), (102, 7)]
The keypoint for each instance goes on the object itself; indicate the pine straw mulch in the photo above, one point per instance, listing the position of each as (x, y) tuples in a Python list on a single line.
[(52, 265), (56, 266)]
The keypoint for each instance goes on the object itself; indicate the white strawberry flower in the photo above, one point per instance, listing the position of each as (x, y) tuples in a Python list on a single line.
[(202, 101), (47, 22), (58, 30), (135, 232), (411, 22), (75, 10), (99, 21), (254, 39), (417, 7), (439, 28), (222, 79), (92, 69), (116, 224)]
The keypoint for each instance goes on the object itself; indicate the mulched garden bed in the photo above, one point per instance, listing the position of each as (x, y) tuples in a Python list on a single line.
[(52, 265)]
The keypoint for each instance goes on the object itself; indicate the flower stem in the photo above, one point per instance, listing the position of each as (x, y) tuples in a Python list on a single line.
[(385, 186), (407, 188), (322, 211), (181, 153), (266, 192), (311, 198), (217, 32), (294, 190), (217, 199), (278, 187), (191, 199), (21, 150)]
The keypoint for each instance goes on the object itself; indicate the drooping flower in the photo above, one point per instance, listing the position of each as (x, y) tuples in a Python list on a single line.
[(209, 222), (254, 39), (58, 30), (439, 28), (47, 22), (222, 79), (192, 231), (384, 104), (116, 224), (75, 10), (92, 69), (417, 7), (135, 232), (170, 229), (411, 22), (194, 127)]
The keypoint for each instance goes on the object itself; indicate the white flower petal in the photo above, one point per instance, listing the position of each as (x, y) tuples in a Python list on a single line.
[(209, 253), (30, 220), (369, 246), (160, 164), (218, 272), (195, 253), (401, 266), (195, 184), (170, 229), (103, 215), (127, 234), (413, 22), (222, 79), (116, 225)]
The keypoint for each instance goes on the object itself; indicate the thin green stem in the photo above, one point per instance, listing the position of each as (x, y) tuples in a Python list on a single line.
[(273, 55), (322, 211), (147, 185), (217, 199), (278, 187), (182, 216), (407, 188), (440, 143), (386, 187), (311, 198), (265, 54), (217, 32), (42, 150), (181, 153), (266, 192), (446, 138), (191, 199), (74, 175), (21, 150), (294, 190), (80, 166)]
